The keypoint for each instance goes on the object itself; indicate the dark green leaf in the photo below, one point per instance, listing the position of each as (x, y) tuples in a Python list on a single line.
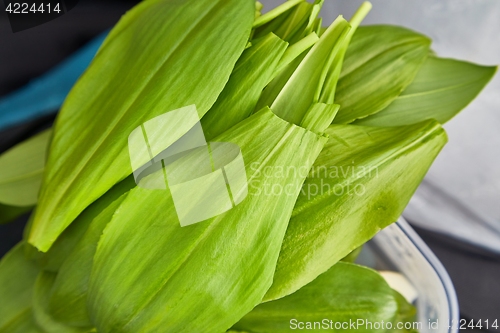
[(360, 183), (344, 294), (10, 213), (380, 63), (406, 316), (21, 170), (442, 88), (43, 285), (17, 280)]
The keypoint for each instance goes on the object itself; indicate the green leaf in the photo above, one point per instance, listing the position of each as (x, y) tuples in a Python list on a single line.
[(250, 75), (10, 213), (291, 21), (319, 116), (72, 237), (17, 279), (406, 314), (161, 56), (441, 89), (294, 51), (344, 294), (360, 183), (351, 257), (151, 274), (294, 27), (329, 88), (24, 323), (68, 297), (43, 285), (21, 170), (303, 88), (274, 13), (278, 82), (380, 63)]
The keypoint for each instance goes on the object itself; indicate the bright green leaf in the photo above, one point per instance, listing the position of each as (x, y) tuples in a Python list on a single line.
[(43, 285), (17, 280), (68, 297), (380, 63), (346, 293), (332, 71), (294, 51), (70, 238), (294, 27), (406, 315), (150, 274), (292, 24), (441, 89), (303, 87), (276, 12), (21, 170), (319, 116), (360, 183), (250, 75), (161, 56)]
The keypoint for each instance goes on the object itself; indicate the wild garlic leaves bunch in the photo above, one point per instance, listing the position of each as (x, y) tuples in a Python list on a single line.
[(358, 108)]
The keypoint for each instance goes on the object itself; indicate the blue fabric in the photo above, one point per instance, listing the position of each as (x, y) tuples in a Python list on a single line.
[(45, 94)]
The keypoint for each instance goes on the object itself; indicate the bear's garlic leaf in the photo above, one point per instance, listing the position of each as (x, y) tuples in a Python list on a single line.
[(301, 90), (295, 26), (66, 243), (407, 313), (360, 183), (380, 63), (441, 89), (240, 95), (10, 213), (275, 12), (21, 171), (67, 301), (146, 263), (345, 293), (353, 256), (161, 56), (319, 116), (17, 280), (294, 51), (43, 285)]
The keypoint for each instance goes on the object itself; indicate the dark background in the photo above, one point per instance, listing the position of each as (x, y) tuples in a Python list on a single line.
[(27, 54)]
